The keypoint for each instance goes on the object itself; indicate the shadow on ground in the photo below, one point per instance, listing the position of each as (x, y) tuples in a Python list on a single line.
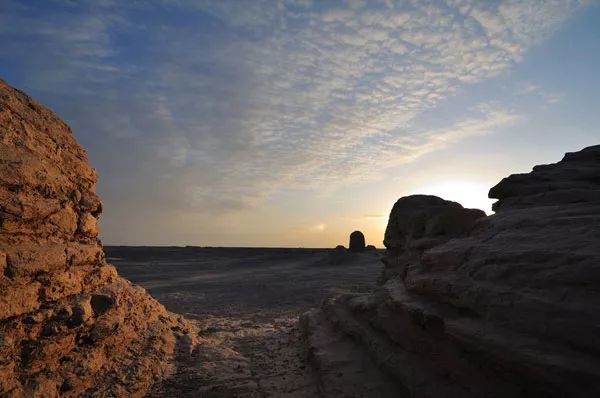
[(246, 303)]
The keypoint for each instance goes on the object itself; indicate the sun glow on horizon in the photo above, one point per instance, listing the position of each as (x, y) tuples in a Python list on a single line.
[(318, 228), (470, 194)]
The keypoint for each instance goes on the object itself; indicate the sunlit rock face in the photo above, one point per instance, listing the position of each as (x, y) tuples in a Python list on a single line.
[(357, 242), (69, 325), (474, 306)]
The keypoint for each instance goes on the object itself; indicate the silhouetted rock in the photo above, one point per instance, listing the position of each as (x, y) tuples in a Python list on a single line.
[(420, 222), (337, 255), (573, 180), (357, 242), (370, 248), (473, 306), (69, 325)]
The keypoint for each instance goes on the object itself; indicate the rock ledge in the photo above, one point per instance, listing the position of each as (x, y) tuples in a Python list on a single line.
[(475, 306)]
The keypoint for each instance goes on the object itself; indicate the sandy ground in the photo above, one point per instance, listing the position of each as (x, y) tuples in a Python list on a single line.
[(246, 303)]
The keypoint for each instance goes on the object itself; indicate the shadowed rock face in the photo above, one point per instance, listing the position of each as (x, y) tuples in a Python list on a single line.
[(69, 325), (473, 306), (420, 222), (573, 180), (357, 242)]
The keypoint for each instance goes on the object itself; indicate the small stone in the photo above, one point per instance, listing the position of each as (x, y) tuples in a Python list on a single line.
[(88, 225), (81, 312), (76, 196)]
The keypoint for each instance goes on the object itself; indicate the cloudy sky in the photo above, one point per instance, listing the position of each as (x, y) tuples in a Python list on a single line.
[(294, 122)]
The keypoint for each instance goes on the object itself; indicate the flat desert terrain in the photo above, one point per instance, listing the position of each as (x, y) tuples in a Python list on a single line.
[(246, 301)]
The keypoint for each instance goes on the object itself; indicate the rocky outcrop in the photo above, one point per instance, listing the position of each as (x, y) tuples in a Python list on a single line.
[(475, 306), (418, 223), (357, 242), (69, 325), (337, 256)]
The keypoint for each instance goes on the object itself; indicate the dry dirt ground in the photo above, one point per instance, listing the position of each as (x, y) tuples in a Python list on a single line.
[(246, 304)]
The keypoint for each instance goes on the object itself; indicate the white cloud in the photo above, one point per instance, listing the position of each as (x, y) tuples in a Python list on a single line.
[(271, 95)]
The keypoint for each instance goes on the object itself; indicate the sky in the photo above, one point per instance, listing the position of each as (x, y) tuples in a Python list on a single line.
[(291, 123)]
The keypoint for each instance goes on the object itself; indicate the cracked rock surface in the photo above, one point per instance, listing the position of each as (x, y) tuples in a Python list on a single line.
[(69, 325)]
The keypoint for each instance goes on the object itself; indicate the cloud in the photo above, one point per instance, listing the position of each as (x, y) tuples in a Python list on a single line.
[(215, 105), (547, 97)]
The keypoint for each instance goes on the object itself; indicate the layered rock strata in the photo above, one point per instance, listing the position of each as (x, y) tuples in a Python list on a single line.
[(475, 306), (69, 325)]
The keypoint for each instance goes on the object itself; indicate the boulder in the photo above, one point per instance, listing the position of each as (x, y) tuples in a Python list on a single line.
[(474, 306), (69, 325), (357, 242), (420, 222)]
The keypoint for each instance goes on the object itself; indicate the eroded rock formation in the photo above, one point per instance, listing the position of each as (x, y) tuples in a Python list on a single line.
[(357, 242), (475, 306), (69, 325)]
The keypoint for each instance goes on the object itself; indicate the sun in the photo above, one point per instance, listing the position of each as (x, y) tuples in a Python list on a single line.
[(470, 194)]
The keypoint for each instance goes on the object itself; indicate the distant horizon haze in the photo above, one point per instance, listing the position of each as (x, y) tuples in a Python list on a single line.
[(292, 123)]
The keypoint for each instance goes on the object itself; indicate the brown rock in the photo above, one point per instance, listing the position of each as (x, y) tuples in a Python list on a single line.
[(81, 311), (2, 263), (69, 325), (88, 225)]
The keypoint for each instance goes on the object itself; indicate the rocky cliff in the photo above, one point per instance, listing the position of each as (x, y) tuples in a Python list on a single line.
[(69, 325), (474, 306)]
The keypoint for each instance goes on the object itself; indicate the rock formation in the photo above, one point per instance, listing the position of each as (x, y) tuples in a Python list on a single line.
[(357, 242), (475, 306), (69, 325), (337, 256)]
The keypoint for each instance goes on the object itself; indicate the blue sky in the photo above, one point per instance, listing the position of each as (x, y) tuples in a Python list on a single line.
[(293, 122)]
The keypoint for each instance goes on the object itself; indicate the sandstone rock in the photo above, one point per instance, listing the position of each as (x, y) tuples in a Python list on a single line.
[(69, 325), (357, 242), (3, 263), (475, 306)]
